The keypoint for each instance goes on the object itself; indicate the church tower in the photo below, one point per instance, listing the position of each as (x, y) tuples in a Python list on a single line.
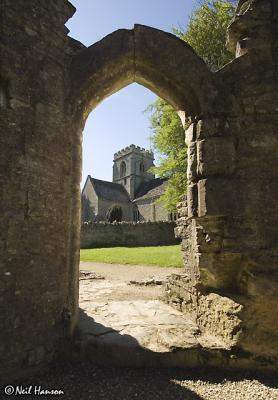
[(131, 166)]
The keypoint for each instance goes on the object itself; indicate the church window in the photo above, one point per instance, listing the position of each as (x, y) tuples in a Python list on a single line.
[(136, 215), (142, 167), (122, 169), (153, 212)]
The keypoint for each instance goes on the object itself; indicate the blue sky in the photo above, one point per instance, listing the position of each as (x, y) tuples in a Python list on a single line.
[(119, 120)]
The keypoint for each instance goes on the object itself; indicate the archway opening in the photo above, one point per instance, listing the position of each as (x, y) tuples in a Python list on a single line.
[(108, 157), (142, 233), (153, 59)]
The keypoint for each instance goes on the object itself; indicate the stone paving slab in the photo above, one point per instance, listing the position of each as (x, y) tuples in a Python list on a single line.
[(153, 324), (123, 321)]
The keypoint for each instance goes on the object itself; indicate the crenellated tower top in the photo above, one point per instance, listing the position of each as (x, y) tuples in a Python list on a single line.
[(131, 167)]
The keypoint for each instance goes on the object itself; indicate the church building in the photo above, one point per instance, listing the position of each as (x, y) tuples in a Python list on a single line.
[(134, 188)]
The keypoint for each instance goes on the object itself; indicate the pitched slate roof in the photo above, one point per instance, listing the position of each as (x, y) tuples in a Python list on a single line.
[(152, 189), (109, 190)]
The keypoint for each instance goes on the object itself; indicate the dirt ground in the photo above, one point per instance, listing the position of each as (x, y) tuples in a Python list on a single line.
[(126, 273), (117, 278)]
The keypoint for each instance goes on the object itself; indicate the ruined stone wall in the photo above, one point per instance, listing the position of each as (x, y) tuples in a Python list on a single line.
[(229, 224), (253, 81), (127, 234), (37, 295), (43, 106)]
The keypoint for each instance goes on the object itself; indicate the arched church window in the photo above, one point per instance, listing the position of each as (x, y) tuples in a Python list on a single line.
[(136, 215), (122, 169), (142, 167)]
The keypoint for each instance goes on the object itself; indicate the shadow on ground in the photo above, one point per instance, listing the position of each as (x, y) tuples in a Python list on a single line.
[(110, 347), (83, 380)]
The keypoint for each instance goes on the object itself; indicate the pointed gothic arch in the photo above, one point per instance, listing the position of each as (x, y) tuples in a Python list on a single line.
[(155, 59)]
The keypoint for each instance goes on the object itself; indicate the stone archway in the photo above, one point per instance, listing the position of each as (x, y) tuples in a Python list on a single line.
[(53, 83), (215, 262), (155, 59), (171, 69)]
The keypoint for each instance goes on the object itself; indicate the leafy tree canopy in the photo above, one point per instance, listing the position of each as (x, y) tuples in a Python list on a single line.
[(206, 33), (168, 141)]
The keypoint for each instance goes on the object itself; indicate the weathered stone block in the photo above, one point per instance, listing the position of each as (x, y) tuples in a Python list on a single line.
[(190, 134), (220, 270), (210, 127), (192, 162), (215, 156), (218, 196), (192, 199)]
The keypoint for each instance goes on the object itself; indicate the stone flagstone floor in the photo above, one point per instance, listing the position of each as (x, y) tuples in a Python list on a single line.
[(123, 317)]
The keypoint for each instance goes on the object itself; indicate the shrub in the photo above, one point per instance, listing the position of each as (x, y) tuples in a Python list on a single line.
[(115, 213)]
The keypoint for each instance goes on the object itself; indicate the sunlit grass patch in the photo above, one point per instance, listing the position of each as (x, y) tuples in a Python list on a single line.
[(163, 256)]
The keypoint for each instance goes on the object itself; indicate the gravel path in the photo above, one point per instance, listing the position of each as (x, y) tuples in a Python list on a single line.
[(88, 382), (126, 273)]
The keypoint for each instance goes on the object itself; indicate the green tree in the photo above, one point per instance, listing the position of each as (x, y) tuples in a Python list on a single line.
[(115, 213), (168, 141), (206, 33)]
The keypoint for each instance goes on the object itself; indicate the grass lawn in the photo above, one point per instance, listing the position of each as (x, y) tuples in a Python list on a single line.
[(163, 256)]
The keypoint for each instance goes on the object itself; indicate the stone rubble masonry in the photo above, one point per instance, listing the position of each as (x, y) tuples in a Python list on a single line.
[(228, 222), (127, 234), (49, 83), (216, 316)]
